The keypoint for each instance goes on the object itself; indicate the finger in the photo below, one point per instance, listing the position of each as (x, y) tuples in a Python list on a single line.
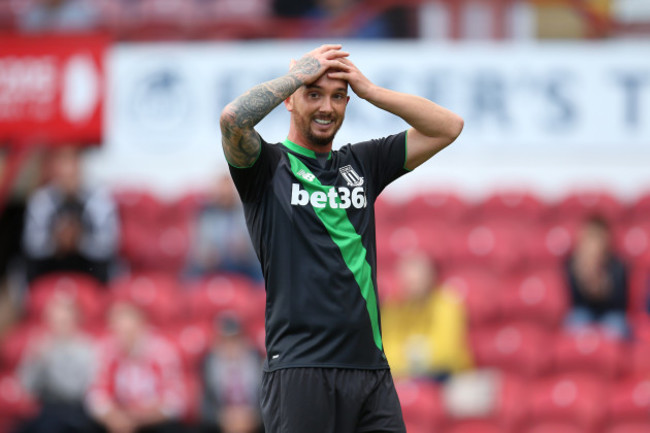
[(292, 63), (339, 65), (327, 47), (336, 55), (335, 65), (339, 75)]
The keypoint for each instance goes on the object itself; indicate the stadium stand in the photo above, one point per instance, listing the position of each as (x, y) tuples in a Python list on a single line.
[(550, 380)]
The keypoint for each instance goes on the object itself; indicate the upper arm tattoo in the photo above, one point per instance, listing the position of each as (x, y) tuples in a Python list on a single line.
[(241, 143)]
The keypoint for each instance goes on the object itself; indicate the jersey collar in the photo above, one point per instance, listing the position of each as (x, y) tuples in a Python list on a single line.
[(301, 150)]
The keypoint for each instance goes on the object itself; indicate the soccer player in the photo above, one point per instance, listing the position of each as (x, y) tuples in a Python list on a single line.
[(309, 211)]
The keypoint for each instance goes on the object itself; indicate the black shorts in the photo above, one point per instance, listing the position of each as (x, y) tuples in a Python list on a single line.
[(330, 400)]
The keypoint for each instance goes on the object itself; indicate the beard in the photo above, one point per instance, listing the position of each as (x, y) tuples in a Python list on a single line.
[(319, 140)]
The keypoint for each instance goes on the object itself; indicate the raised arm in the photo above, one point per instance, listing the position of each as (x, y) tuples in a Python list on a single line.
[(432, 127), (240, 141)]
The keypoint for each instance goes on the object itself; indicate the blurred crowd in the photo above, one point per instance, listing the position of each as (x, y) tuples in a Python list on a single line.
[(255, 19), (91, 350), (140, 315), (205, 18)]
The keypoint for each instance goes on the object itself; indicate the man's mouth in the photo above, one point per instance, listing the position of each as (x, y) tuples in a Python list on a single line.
[(324, 121)]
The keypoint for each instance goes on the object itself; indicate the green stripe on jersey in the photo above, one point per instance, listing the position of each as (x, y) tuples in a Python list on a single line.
[(345, 236)]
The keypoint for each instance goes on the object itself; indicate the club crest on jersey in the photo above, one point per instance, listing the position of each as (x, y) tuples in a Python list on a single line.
[(351, 176)]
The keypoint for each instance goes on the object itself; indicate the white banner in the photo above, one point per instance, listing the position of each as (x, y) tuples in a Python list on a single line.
[(582, 109)]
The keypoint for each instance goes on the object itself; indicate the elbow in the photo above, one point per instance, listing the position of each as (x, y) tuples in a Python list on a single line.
[(227, 118)]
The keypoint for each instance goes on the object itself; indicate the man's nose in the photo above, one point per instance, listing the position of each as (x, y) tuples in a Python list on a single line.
[(326, 105)]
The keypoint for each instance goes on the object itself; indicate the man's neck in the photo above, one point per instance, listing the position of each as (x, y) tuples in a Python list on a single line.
[(303, 142)]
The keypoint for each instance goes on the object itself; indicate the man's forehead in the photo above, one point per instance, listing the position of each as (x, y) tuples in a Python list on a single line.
[(328, 83)]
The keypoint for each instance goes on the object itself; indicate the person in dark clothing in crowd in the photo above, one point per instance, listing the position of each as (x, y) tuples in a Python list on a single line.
[(231, 382), (597, 280), (69, 227)]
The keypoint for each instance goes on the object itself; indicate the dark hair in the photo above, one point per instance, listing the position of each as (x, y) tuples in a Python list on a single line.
[(597, 221)]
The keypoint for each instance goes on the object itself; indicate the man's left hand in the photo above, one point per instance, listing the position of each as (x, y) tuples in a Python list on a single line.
[(348, 71)]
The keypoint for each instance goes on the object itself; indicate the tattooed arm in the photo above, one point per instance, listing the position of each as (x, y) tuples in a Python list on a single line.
[(240, 141)]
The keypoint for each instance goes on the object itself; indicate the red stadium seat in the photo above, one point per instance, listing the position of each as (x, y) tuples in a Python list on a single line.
[(639, 291), (15, 403), (582, 204), (634, 242), (421, 405), (387, 284), (578, 399), (194, 390), (474, 426), (397, 240), (511, 206), (513, 403), (520, 348), (437, 206), (192, 340), (496, 244), (226, 293), (138, 206), (588, 351), (629, 399), (554, 427), (638, 357), (154, 235), (171, 245), (630, 427), (551, 243), (387, 212), (84, 290), (15, 341), (638, 212), (538, 297), (157, 294), (477, 288)]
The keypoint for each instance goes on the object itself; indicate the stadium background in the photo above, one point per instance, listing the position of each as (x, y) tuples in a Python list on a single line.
[(556, 101)]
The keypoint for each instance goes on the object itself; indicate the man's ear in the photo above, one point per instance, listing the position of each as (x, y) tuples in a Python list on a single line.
[(289, 103)]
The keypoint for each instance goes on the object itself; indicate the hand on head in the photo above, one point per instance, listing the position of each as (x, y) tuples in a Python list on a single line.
[(348, 71), (316, 63), (330, 60)]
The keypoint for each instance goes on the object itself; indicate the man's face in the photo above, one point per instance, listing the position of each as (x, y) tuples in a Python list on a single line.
[(318, 110)]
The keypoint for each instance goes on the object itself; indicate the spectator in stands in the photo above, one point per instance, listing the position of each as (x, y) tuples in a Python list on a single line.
[(69, 227), (597, 280), (292, 8), (364, 25), (60, 15), (220, 239), (57, 370), (140, 386), (425, 330), (231, 381)]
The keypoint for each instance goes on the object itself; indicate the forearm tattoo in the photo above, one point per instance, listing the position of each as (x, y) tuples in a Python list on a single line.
[(240, 141)]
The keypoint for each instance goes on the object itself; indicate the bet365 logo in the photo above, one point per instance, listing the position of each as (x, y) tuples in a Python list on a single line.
[(335, 198)]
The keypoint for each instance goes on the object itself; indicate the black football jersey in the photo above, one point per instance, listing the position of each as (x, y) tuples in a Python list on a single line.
[(312, 223)]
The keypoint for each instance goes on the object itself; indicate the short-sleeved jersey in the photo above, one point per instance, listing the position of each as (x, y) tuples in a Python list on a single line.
[(311, 220)]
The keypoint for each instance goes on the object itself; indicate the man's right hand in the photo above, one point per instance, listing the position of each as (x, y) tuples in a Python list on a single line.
[(316, 62)]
